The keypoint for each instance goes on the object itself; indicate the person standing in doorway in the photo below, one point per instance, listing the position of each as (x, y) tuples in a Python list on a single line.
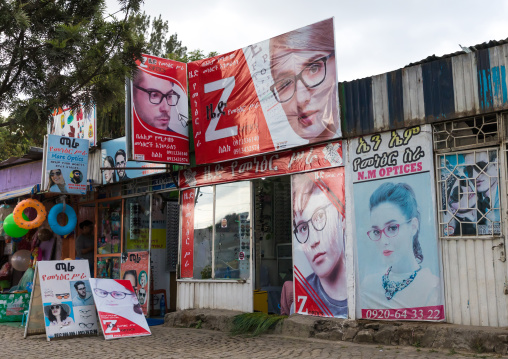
[(85, 244)]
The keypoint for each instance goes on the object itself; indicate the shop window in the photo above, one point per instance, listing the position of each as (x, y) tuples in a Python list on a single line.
[(469, 195), (137, 223), (203, 232), (110, 215), (232, 229), (479, 130), (222, 229)]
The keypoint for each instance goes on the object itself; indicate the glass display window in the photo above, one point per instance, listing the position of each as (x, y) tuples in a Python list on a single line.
[(137, 224)]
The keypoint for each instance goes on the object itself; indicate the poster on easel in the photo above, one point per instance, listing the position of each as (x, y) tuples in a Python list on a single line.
[(62, 301), (134, 268), (120, 313)]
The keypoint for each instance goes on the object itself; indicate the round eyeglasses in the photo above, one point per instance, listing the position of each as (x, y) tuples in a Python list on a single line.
[(155, 97), (312, 75), (318, 221), (117, 295), (391, 230)]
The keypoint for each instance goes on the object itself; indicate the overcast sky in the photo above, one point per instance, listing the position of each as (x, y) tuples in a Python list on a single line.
[(372, 36)]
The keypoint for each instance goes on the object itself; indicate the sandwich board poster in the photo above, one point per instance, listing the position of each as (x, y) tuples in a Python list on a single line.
[(319, 262), (395, 222), (65, 165), (273, 95), (120, 313), (67, 303), (74, 123), (135, 268), (158, 130)]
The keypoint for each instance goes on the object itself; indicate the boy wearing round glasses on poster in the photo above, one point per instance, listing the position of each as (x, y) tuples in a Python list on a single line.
[(56, 181), (319, 234), (302, 64)]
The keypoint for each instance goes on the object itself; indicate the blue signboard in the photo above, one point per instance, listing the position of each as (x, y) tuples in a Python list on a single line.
[(66, 165), (114, 156)]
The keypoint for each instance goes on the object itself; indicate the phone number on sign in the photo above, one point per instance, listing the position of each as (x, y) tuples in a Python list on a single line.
[(424, 313)]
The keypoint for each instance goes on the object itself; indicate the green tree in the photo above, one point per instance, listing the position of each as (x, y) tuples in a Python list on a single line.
[(62, 52)]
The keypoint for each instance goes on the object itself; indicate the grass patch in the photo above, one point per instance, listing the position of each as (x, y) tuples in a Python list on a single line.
[(254, 323)]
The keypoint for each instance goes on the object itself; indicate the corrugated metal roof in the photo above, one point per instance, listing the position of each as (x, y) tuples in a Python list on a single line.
[(34, 154)]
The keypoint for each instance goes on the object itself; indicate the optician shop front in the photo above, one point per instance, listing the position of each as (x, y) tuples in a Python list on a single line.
[(237, 228)]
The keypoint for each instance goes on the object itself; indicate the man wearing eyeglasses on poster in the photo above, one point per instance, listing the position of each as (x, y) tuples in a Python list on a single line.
[(156, 102), (82, 297), (302, 64)]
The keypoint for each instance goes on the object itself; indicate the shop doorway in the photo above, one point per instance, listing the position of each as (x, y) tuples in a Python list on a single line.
[(272, 237)]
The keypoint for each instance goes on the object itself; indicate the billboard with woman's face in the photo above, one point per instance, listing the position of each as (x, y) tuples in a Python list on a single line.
[(273, 95), (319, 263), (398, 269)]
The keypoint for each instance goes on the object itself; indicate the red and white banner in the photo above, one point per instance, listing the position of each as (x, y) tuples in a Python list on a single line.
[(120, 313), (326, 155), (318, 243), (277, 94), (159, 111), (187, 260)]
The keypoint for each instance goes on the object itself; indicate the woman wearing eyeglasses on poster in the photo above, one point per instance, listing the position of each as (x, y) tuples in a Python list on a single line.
[(318, 227), (305, 82), (395, 228), (58, 314), (56, 181), (115, 297)]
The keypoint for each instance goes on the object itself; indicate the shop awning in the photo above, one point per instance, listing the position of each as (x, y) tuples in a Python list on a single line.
[(20, 192)]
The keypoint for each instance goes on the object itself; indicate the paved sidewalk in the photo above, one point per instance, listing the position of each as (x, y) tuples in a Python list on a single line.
[(168, 342)]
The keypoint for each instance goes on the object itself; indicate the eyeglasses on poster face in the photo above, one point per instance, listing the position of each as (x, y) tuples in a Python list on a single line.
[(55, 173), (155, 97), (318, 221), (391, 230), (115, 294), (312, 75)]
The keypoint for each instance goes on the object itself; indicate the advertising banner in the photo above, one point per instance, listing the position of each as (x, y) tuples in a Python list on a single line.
[(114, 155), (66, 165), (187, 259), (470, 193), (395, 222), (120, 313), (135, 267), (319, 263), (68, 304), (77, 123), (269, 96), (159, 111), (321, 156)]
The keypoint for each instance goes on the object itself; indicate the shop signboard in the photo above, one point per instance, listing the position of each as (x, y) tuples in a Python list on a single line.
[(114, 155), (65, 165), (135, 267), (395, 223), (157, 125), (74, 123), (273, 95), (120, 313), (319, 263), (67, 303), (187, 253), (322, 156)]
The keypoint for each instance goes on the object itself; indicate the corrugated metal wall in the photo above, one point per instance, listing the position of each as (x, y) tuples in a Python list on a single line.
[(444, 89), (474, 278), (215, 295)]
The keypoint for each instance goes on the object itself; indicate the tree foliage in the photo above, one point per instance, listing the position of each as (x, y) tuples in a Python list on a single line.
[(61, 52)]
